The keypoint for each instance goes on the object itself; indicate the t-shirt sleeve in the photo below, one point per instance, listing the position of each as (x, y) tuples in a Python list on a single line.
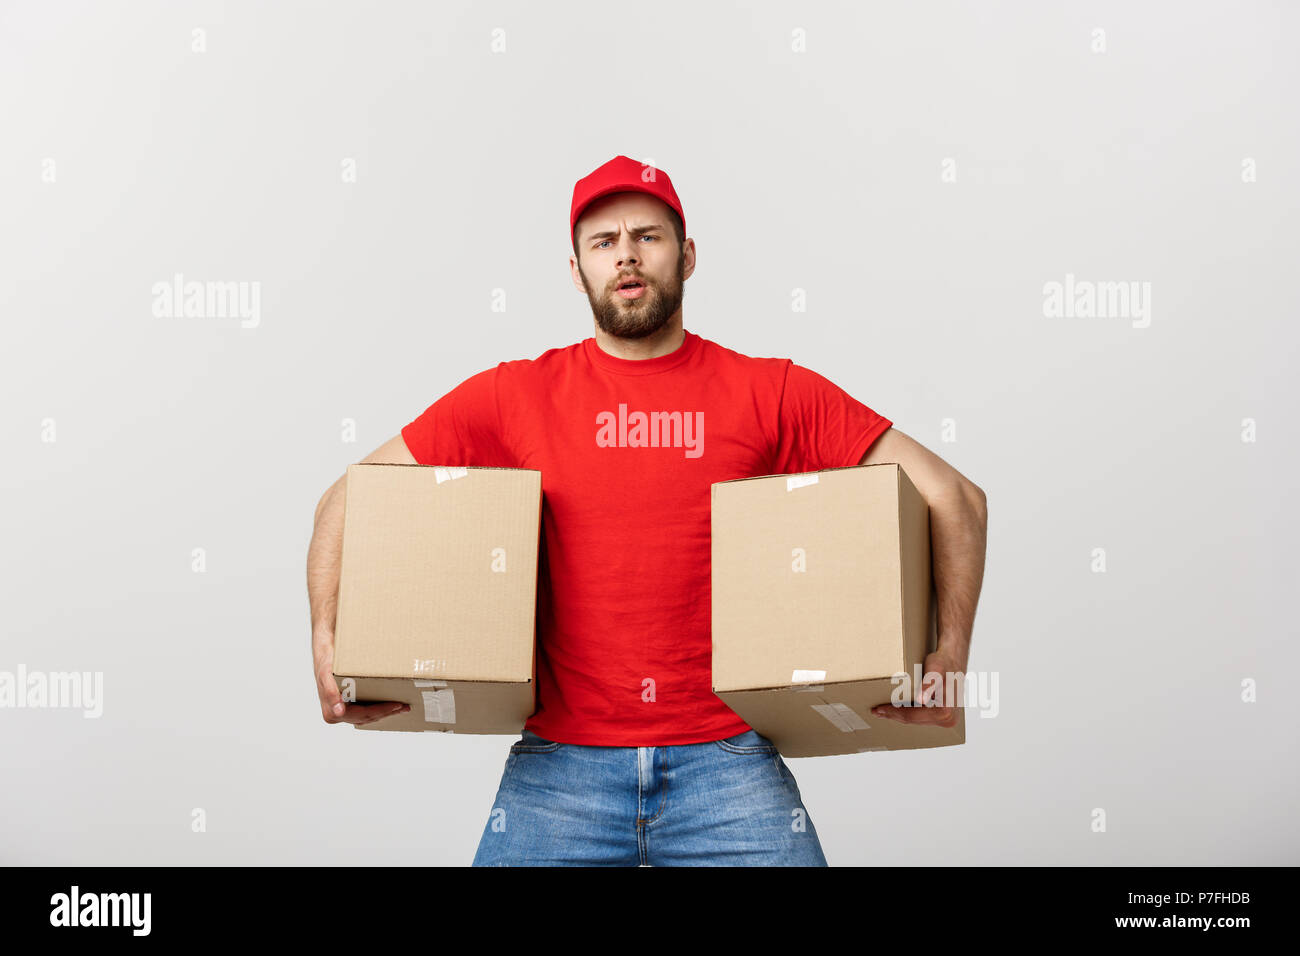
[(463, 427), (819, 425)]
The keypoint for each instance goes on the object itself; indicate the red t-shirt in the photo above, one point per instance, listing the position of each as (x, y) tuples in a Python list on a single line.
[(627, 449)]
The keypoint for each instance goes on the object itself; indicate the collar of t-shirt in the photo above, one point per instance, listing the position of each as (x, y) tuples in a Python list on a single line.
[(660, 363)]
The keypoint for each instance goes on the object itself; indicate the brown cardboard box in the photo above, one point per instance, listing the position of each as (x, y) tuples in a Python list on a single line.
[(822, 592), (438, 595)]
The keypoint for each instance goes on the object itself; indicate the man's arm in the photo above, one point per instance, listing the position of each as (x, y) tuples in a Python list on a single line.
[(324, 556), (958, 536)]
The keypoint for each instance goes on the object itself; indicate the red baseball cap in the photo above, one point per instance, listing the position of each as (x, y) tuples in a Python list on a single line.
[(620, 175)]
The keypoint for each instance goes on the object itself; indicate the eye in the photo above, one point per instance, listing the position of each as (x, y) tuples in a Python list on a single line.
[(603, 241)]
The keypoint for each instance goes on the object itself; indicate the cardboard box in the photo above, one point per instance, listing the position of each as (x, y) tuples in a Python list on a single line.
[(438, 595), (822, 592)]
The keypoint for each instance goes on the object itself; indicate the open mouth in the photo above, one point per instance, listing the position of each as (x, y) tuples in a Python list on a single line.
[(632, 289)]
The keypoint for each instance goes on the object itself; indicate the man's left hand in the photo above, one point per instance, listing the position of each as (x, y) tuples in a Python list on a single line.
[(935, 707)]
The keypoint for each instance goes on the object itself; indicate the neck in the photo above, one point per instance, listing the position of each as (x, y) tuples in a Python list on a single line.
[(668, 339)]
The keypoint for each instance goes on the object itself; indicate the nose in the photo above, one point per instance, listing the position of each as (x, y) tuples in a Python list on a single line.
[(627, 252)]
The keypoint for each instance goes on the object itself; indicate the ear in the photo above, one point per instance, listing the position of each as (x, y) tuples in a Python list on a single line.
[(576, 275), (688, 261)]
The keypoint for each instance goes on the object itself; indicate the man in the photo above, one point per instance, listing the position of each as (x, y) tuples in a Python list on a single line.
[(629, 758)]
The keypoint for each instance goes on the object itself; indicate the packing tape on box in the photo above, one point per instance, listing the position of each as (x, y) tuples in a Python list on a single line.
[(447, 474), (852, 717), (805, 678), (799, 481), (842, 716), (439, 706)]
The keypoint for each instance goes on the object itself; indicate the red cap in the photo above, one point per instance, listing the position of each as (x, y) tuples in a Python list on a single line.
[(620, 175)]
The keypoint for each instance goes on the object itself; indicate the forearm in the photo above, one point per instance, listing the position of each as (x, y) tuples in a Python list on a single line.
[(958, 536), (324, 556)]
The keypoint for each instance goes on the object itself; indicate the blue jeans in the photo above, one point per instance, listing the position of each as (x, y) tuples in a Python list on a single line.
[(730, 802)]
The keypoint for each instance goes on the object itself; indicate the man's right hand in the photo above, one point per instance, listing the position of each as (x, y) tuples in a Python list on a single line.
[(333, 708)]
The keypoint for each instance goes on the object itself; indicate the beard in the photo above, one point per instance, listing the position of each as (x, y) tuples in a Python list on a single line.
[(637, 318)]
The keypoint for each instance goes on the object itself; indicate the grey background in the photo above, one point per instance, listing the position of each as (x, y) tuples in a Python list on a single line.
[(817, 170)]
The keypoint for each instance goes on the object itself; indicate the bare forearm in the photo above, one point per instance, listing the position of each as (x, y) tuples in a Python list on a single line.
[(324, 555), (958, 537), (324, 560)]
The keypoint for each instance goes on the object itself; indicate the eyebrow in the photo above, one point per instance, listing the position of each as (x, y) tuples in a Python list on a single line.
[(635, 230)]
